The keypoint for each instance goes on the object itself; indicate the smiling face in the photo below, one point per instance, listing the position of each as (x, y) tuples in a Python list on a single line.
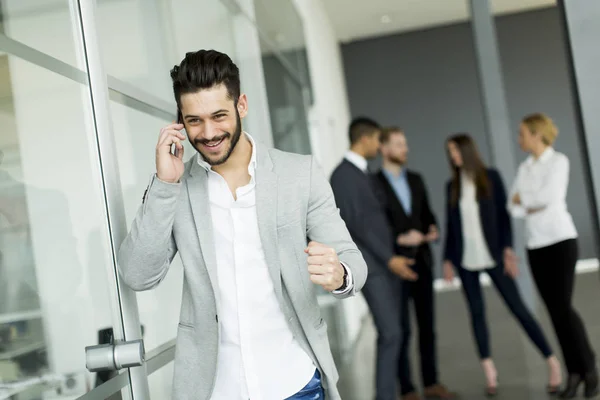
[(213, 122)]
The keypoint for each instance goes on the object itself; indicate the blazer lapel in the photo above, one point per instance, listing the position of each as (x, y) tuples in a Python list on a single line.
[(392, 197), (266, 210), (197, 186)]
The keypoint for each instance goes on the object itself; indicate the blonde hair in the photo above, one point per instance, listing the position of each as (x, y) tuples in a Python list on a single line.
[(542, 124)]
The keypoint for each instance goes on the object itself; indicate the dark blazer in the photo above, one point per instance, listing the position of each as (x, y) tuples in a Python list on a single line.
[(420, 218), (494, 220), (365, 219)]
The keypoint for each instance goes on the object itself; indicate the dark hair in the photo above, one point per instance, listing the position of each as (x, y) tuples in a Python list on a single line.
[(387, 132), (204, 69), (472, 164), (361, 127)]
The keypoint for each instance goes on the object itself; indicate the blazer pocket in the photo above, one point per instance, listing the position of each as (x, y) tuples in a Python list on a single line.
[(185, 325), (320, 324)]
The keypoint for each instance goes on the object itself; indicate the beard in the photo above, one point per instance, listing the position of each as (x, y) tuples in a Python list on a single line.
[(397, 160), (233, 141)]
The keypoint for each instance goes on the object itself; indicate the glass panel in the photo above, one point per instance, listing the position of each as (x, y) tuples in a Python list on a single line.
[(142, 39), (54, 253), (44, 25), (161, 382), (287, 107), (137, 133), (281, 28)]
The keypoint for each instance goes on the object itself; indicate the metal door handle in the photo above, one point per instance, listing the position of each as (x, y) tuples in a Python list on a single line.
[(115, 356)]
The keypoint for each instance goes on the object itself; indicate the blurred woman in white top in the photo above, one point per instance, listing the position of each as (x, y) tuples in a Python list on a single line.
[(539, 195)]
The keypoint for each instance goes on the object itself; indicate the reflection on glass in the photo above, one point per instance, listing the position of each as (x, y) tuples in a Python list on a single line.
[(281, 28), (141, 40), (287, 107), (160, 382), (39, 24), (54, 295)]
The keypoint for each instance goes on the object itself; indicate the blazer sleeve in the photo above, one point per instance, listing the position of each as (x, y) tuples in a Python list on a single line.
[(147, 251), (324, 225), (427, 215), (500, 201), (449, 243), (371, 232)]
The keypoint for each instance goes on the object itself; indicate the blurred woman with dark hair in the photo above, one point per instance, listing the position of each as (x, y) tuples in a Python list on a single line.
[(479, 239), (539, 195)]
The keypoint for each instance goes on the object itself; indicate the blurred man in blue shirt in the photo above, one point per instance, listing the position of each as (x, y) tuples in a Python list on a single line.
[(404, 197)]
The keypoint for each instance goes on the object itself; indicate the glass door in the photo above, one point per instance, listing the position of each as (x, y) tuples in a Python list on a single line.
[(84, 92), (59, 220)]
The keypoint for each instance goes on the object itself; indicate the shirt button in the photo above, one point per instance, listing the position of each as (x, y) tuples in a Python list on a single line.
[(217, 317)]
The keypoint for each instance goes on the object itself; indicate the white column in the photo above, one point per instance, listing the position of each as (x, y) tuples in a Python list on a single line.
[(330, 115), (500, 133)]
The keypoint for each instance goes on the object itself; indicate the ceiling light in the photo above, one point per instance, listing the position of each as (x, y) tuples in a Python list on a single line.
[(386, 19)]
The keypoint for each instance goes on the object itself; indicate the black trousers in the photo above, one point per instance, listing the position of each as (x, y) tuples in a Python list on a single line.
[(508, 290), (382, 292), (553, 269), (420, 294)]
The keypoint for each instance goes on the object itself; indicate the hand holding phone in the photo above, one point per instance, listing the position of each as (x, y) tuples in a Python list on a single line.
[(169, 153)]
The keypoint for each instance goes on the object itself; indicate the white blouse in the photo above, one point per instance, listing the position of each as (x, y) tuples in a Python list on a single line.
[(543, 183), (476, 255)]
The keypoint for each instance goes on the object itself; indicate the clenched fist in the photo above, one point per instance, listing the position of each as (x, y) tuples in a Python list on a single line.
[(324, 266)]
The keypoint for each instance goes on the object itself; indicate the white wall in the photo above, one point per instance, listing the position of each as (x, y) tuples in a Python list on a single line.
[(330, 116)]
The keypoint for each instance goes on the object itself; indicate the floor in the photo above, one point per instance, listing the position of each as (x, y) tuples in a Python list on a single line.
[(521, 370)]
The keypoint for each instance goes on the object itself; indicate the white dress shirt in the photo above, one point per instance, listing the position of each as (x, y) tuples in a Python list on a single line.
[(259, 358), (359, 161), (543, 183), (476, 255)]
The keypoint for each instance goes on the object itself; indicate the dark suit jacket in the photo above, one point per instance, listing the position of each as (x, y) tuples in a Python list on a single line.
[(494, 220), (365, 219), (420, 218)]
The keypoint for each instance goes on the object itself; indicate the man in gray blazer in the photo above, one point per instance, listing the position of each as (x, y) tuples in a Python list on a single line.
[(241, 217)]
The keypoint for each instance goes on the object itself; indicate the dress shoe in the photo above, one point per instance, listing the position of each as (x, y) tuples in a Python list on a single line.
[(573, 383), (411, 396), (438, 391), (591, 385)]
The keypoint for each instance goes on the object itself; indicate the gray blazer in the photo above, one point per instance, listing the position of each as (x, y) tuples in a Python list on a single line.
[(294, 203)]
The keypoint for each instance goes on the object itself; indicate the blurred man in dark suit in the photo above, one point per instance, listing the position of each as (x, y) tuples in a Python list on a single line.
[(370, 230)]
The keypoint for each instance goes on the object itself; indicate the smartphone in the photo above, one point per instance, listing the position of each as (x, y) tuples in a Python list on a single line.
[(174, 149)]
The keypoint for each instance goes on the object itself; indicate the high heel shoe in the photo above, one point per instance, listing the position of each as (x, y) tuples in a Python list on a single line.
[(555, 376), (572, 386), (591, 385), (552, 389), (491, 391), (491, 375)]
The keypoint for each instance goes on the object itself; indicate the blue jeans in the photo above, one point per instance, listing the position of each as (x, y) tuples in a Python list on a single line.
[(312, 391)]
